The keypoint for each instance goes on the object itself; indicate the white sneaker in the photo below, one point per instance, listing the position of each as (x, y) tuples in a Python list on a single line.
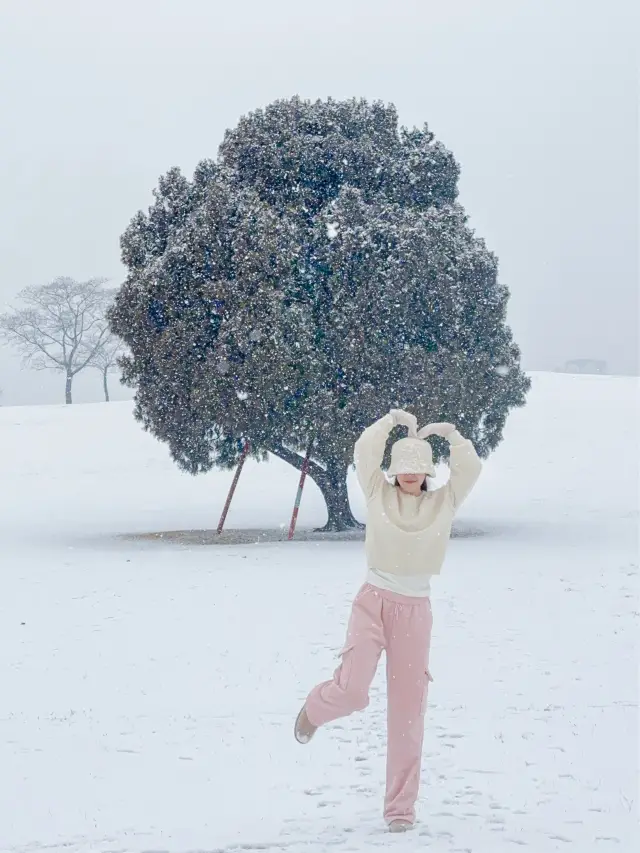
[(303, 730), (400, 825)]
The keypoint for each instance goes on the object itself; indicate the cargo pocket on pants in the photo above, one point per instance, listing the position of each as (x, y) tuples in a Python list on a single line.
[(428, 678), (343, 673)]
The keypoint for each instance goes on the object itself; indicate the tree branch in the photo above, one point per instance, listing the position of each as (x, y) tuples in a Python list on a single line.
[(31, 346), (315, 471)]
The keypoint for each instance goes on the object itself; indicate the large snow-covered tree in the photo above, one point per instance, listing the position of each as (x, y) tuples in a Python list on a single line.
[(319, 272)]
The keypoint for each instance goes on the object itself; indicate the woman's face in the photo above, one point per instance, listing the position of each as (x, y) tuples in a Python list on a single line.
[(411, 482)]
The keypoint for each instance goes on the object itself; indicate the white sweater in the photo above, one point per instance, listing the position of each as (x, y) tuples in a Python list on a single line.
[(407, 535)]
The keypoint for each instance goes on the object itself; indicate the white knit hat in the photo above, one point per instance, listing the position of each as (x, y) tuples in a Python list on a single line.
[(411, 456)]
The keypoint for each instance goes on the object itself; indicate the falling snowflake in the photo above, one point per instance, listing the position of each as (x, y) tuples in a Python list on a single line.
[(242, 395), (332, 230), (502, 370)]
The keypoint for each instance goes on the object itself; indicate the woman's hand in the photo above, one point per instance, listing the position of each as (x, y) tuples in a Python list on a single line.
[(402, 418), (443, 430)]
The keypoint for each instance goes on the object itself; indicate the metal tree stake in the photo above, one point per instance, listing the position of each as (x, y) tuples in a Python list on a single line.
[(303, 476), (236, 477)]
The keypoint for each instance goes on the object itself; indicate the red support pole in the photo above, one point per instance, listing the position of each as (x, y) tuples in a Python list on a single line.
[(236, 477), (296, 506)]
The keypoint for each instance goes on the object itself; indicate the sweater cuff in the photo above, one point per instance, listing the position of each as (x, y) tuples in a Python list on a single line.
[(455, 439)]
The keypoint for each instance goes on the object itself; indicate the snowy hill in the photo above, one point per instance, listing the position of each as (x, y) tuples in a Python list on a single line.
[(148, 690), (70, 471)]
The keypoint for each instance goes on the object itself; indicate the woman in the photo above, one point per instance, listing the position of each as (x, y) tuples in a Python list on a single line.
[(408, 528)]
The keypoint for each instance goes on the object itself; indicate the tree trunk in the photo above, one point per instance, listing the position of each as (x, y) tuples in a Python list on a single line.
[(105, 385), (334, 492), (67, 390), (332, 482)]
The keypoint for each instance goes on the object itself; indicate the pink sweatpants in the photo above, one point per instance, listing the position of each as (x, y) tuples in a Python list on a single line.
[(402, 627)]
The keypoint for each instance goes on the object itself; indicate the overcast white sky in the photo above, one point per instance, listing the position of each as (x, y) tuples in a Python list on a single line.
[(538, 99)]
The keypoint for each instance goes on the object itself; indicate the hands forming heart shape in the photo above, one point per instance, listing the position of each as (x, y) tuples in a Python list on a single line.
[(402, 418)]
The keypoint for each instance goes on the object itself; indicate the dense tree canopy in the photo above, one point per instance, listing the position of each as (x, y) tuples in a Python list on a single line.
[(319, 272)]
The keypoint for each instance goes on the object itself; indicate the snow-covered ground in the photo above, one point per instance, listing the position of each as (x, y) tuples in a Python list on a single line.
[(147, 691)]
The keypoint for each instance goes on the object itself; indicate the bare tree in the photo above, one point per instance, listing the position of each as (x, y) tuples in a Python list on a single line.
[(105, 359), (61, 326), (103, 347)]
